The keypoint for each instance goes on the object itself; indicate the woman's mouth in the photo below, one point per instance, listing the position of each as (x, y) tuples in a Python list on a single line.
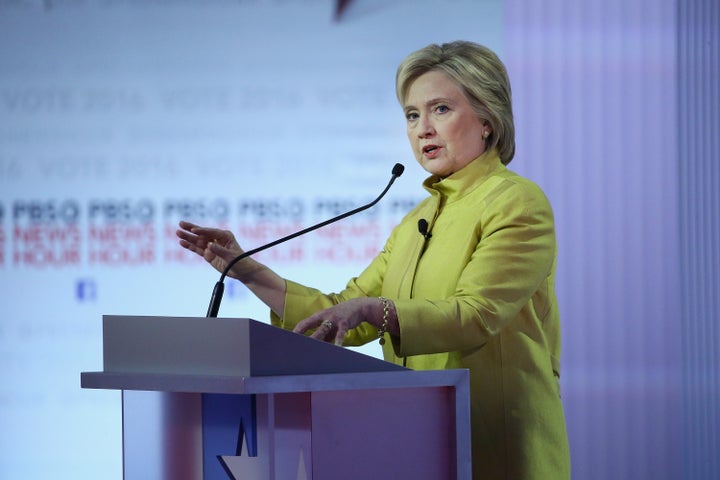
[(431, 151)]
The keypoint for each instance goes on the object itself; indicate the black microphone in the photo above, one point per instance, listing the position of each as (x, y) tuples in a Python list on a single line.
[(423, 228), (220, 286)]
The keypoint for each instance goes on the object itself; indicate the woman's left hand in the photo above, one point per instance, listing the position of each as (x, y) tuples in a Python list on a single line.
[(332, 324)]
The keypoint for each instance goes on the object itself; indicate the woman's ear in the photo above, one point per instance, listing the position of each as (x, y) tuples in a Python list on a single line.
[(487, 129)]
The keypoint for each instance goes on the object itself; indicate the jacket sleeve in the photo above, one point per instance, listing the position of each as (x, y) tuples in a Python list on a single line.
[(302, 301)]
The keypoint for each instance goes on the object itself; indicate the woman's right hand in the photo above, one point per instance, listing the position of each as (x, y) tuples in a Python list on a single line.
[(218, 247)]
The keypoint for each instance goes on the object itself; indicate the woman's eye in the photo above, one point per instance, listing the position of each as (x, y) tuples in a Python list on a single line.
[(442, 109), (412, 116)]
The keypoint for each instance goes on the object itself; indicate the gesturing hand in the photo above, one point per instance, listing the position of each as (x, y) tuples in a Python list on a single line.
[(218, 247)]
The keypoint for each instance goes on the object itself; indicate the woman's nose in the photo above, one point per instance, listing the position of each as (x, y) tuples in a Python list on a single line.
[(425, 128)]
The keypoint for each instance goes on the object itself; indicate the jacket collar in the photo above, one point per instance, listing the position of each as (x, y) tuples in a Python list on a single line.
[(466, 179)]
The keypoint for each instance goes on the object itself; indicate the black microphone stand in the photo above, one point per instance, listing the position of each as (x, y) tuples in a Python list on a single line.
[(219, 289)]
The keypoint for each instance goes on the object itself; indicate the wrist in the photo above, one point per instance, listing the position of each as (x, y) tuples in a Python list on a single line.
[(247, 270), (387, 319)]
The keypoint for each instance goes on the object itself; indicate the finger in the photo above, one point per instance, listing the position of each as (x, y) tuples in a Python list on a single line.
[(300, 328), (319, 334), (211, 232), (187, 245), (184, 234), (305, 325), (185, 225), (340, 336), (191, 237), (190, 244), (321, 331), (324, 331), (322, 327)]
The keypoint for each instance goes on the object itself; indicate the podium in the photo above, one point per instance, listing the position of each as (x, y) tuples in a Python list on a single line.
[(234, 398)]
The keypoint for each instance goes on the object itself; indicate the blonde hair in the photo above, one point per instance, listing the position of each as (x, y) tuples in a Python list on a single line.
[(482, 77)]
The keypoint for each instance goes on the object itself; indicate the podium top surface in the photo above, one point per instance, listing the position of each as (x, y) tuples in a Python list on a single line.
[(222, 347)]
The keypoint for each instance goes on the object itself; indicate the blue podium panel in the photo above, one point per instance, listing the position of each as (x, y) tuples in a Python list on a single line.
[(284, 441), (229, 426)]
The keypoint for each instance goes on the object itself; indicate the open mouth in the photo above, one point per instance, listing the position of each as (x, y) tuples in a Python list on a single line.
[(430, 150)]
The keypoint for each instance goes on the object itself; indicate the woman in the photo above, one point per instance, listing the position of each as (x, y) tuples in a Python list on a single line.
[(476, 292)]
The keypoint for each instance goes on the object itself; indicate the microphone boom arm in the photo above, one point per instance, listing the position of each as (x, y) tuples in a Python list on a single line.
[(219, 289)]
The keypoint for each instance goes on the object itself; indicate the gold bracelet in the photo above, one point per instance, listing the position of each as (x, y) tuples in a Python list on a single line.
[(386, 318)]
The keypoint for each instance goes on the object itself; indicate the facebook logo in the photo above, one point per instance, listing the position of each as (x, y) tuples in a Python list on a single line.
[(85, 290)]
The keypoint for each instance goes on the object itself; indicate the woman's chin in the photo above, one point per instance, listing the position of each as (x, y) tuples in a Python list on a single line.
[(435, 167)]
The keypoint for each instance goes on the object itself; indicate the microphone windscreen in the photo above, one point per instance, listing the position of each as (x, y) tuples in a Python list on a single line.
[(398, 169), (423, 226)]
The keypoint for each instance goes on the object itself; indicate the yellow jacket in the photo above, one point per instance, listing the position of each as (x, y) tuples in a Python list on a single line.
[(479, 294)]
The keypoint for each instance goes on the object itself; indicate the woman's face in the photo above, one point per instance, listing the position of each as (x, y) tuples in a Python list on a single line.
[(444, 132)]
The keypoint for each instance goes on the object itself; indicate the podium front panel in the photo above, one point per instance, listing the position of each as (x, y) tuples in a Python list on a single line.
[(162, 436), (384, 434)]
